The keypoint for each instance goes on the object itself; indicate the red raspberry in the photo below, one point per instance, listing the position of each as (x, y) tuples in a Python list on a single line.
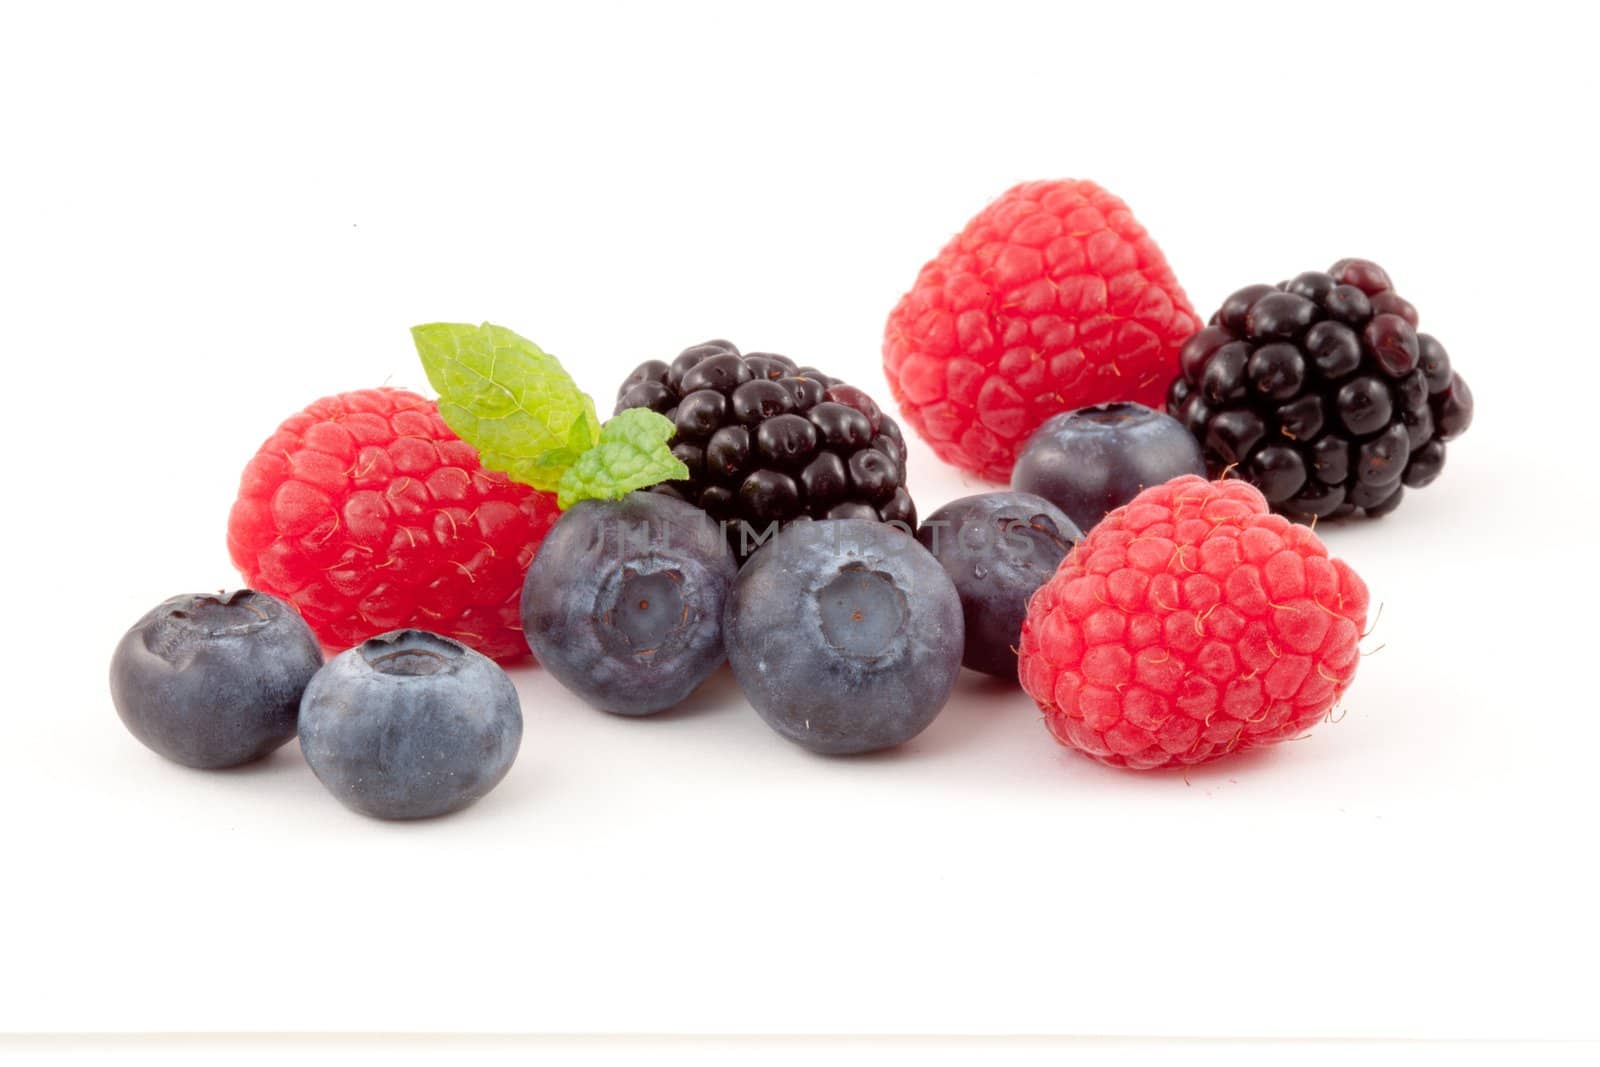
[(1053, 298), (368, 514), (1190, 624)]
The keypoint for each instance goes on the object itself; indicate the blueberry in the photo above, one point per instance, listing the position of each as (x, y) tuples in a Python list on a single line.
[(623, 603), (846, 635), (998, 548), (409, 725), (214, 680), (1092, 460)]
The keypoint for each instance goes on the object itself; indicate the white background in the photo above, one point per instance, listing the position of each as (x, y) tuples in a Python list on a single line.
[(211, 216)]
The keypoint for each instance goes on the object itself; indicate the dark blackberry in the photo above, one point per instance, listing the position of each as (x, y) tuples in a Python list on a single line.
[(1319, 391), (767, 440)]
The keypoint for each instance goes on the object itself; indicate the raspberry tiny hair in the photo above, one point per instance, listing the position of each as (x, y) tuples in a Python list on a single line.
[(1190, 624), (1053, 298), (368, 514)]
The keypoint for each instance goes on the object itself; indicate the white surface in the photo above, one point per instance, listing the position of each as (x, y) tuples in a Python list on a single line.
[(208, 218)]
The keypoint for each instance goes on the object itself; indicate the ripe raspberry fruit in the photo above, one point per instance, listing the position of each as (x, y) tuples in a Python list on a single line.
[(368, 514), (1190, 624), (1322, 393), (1052, 298), (766, 441)]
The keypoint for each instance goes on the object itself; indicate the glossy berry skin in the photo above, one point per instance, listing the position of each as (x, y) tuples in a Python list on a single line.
[(768, 441), (409, 725), (368, 514), (998, 548), (214, 680), (1191, 624), (845, 635), (1089, 461), (1054, 297), (624, 602), (1321, 392)]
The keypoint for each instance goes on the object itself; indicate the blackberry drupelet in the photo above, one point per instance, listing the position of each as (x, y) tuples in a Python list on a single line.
[(767, 440), (1321, 393)]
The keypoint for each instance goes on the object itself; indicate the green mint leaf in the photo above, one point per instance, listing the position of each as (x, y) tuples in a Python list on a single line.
[(632, 454), (509, 399)]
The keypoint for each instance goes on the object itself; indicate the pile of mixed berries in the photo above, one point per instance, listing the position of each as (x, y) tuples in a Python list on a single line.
[(743, 508)]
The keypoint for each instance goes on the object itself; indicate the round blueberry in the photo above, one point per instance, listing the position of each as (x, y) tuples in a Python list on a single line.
[(998, 549), (214, 681), (1092, 460), (846, 636), (409, 725), (623, 602)]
